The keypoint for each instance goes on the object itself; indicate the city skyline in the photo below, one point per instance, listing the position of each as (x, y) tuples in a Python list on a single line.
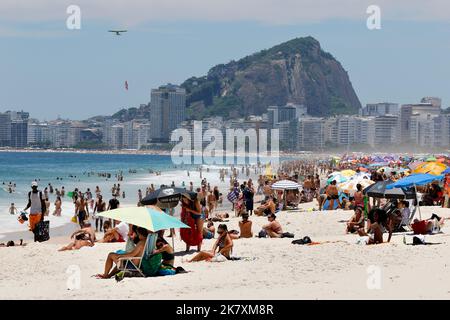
[(50, 70)]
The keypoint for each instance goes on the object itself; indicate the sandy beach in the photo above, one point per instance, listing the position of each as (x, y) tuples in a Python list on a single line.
[(270, 268)]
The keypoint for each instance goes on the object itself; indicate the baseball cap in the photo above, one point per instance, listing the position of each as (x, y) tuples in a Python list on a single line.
[(34, 184)]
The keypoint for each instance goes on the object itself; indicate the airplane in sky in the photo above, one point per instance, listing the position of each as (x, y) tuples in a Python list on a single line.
[(117, 32)]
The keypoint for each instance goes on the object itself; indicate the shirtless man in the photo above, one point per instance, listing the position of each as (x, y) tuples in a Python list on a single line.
[(332, 194), (267, 208), (267, 190), (245, 227), (81, 210), (273, 228)]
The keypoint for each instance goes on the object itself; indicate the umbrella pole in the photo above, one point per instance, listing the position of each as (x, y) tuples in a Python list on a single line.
[(418, 205)]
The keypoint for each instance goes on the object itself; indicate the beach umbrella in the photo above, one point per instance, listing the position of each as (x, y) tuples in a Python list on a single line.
[(348, 173), (417, 179), (430, 159), (414, 164), (351, 184), (434, 168), (446, 171), (151, 218), (379, 190), (338, 177), (285, 185), (167, 197)]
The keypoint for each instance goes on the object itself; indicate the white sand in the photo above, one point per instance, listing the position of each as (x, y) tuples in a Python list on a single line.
[(280, 270)]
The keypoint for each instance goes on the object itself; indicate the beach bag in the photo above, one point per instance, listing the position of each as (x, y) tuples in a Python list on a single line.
[(74, 219), (22, 217), (150, 266), (287, 235), (262, 234), (218, 258), (42, 231)]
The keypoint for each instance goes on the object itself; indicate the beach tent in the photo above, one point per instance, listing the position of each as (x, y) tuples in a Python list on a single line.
[(434, 168), (285, 185)]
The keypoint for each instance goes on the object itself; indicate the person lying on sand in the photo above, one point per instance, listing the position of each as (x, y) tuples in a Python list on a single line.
[(84, 237), (220, 217), (356, 222), (12, 244), (113, 258), (223, 246), (273, 228)]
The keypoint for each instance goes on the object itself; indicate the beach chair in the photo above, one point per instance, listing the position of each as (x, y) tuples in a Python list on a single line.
[(149, 263)]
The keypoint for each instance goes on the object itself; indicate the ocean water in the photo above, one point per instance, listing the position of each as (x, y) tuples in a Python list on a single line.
[(22, 168), (73, 170)]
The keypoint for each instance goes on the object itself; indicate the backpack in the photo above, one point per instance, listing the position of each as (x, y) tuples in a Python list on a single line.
[(262, 234)]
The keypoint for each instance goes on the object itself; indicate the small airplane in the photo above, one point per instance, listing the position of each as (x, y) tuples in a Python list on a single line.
[(117, 32)]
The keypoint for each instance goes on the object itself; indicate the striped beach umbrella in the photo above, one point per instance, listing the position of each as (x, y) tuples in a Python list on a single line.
[(285, 185), (151, 218)]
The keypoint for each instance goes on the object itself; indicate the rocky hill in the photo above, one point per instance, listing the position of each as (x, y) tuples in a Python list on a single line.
[(297, 71)]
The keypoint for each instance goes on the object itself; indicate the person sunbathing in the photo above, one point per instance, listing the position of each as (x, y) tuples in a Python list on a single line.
[(84, 237), (12, 244), (223, 246), (220, 217), (356, 222), (245, 227), (273, 228), (113, 258)]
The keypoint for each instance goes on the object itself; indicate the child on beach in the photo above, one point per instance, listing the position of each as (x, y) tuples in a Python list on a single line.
[(12, 209)]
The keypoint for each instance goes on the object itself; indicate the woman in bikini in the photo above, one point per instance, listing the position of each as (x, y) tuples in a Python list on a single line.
[(223, 246)]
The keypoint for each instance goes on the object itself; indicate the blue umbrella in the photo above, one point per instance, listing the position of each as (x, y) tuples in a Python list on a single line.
[(446, 171), (414, 180)]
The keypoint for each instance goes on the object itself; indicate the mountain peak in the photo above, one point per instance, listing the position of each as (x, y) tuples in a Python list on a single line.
[(297, 71)]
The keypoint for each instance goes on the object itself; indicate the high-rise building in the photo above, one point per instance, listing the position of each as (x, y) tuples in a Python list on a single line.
[(5, 129), (409, 110), (311, 134), (167, 111), (379, 109), (19, 133), (386, 130), (288, 112)]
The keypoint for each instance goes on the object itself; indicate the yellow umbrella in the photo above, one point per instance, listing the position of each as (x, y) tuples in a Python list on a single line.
[(434, 168), (348, 173)]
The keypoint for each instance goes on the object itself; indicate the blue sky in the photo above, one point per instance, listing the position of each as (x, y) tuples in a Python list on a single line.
[(50, 71)]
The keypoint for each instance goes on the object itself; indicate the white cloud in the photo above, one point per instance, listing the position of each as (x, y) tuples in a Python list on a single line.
[(132, 12)]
